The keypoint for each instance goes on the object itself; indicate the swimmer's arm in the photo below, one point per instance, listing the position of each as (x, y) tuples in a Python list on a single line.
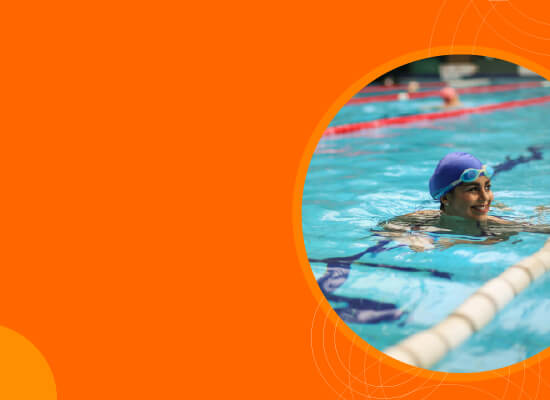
[(535, 228), (404, 222), (446, 243), (416, 242), (522, 226)]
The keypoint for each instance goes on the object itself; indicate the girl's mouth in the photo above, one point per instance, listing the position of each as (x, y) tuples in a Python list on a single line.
[(481, 209)]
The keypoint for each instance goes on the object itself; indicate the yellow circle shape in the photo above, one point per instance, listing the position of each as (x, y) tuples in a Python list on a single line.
[(24, 372)]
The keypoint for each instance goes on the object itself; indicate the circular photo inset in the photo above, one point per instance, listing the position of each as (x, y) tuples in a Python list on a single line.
[(426, 210)]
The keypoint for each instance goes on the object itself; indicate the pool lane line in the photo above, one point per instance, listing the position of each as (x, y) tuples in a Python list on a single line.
[(360, 310), (433, 272), (355, 310), (427, 347), (436, 93), (407, 119)]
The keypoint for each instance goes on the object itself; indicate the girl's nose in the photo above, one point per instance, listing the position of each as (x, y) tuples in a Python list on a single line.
[(484, 194)]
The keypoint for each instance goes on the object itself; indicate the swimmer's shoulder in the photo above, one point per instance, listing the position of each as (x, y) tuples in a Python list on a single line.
[(498, 220), (521, 226)]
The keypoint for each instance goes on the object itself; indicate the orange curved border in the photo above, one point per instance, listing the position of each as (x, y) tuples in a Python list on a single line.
[(297, 209)]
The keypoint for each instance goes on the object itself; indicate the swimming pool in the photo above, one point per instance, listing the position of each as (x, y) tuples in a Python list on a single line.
[(384, 290)]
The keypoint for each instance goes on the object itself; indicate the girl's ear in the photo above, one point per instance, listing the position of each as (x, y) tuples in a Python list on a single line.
[(445, 198)]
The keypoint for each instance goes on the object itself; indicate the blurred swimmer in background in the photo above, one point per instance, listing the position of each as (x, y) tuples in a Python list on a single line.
[(413, 86), (450, 97)]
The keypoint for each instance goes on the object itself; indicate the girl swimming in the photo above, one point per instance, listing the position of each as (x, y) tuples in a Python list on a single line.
[(462, 185)]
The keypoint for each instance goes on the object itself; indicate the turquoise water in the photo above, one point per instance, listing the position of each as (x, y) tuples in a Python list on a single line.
[(356, 181)]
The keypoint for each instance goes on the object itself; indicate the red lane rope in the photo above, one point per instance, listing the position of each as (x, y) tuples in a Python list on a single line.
[(435, 93), (373, 89), (349, 128)]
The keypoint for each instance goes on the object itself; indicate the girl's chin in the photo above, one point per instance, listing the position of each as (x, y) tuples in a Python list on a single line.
[(479, 217)]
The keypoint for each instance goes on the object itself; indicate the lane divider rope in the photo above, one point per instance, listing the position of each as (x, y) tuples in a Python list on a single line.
[(427, 347), (359, 126)]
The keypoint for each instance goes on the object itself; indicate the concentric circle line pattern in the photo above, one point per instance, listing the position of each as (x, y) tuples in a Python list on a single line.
[(379, 386), (347, 388), (484, 19), (350, 374), (364, 365), (505, 39), (438, 384), (313, 351), (523, 376), (538, 376), (434, 26), (432, 388), (326, 355), (511, 383), (511, 5), (457, 27), (349, 367), (412, 372), (508, 381), (432, 375), (540, 382), (340, 361), (503, 18), (478, 31)]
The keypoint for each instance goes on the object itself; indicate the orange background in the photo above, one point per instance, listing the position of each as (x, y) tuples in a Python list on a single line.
[(153, 158)]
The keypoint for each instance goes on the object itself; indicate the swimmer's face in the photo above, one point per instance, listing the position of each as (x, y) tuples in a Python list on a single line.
[(451, 101), (470, 200)]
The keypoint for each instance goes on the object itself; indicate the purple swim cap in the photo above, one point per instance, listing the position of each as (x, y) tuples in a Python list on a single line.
[(449, 170)]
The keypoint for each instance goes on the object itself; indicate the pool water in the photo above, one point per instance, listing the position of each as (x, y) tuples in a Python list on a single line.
[(384, 290), (371, 111)]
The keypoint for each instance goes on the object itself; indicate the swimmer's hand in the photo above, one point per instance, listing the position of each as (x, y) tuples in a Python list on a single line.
[(445, 243), (501, 206), (417, 249)]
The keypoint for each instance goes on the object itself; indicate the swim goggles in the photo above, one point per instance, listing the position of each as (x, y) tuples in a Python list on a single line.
[(469, 175)]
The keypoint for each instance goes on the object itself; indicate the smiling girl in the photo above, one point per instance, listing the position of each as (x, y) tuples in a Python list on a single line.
[(462, 185)]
